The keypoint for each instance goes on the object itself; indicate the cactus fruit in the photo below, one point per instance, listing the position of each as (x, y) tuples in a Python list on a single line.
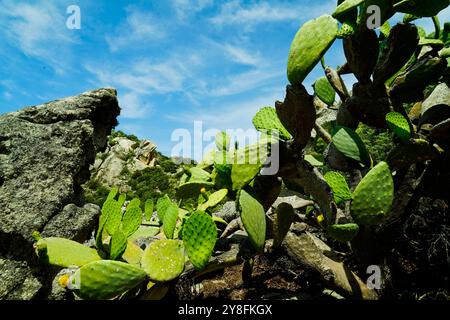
[(266, 120), (149, 206), (214, 199), (284, 217), (170, 220), (133, 254), (343, 232), (199, 238), (339, 185), (132, 218), (325, 91), (118, 244), (347, 30), (192, 189), (161, 206), (350, 144), (373, 196), (106, 279), (163, 260), (399, 125), (310, 44), (345, 7), (254, 219), (198, 174), (428, 8), (64, 253), (223, 141)]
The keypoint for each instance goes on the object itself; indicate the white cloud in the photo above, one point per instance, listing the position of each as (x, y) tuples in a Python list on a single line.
[(186, 8), (38, 30), (140, 26), (234, 12), (241, 56), (133, 106)]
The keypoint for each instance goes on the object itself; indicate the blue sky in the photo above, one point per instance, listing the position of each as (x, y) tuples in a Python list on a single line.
[(173, 62)]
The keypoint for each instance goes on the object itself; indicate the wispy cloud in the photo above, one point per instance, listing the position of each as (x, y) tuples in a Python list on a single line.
[(236, 13), (241, 56), (188, 8), (38, 30), (139, 27), (133, 106)]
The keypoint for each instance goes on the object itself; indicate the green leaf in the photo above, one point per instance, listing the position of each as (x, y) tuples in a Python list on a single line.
[(254, 219), (325, 91), (118, 244), (399, 125), (163, 260), (214, 199), (64, 253), (373, 197), (310, 44), (199, 238), (105, 279), (114, 216), (350, 144), (162, 205), (112, 194), (284, 217), (339, 185), (170, 220), (198, 174), (313, 161), (266, 120), (132, 218)]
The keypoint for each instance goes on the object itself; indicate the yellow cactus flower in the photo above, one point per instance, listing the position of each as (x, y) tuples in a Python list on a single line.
[(64, 280), (320, 218)]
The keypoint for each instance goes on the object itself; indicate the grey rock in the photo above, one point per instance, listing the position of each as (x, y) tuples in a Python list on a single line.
[(45, 155), (228, 211), (295, 199)]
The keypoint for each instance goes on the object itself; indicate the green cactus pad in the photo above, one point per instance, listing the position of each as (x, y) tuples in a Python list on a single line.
[(144, 232), (350, 144), (428, 8), (254, 219), (132, 218), (399, 125), (161, 206), (222, 141), (214, 199), (345, 7), (347, 30), (122, 199), (65, 253), (199, 238), (193, 189), (372, 198), (284, 216), (163, 260), (325, 91), (113, 217), (198, 174), (106, 279), (112, 194), (149, 206), (118, 244), (310, 44), (339, 185), (133, 254), (343, 232), (313, 161), (266, 120), (170, 220)]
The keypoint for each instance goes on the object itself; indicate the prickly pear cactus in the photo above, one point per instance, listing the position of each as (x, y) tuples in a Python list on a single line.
[(199, 238), (310, 44), (198, 174), (324, 90), (254, 219), (284, 217), (193, 189), (428, 8), (372, 198), (170, 220), (114, 216), (343, 232), (106, 279), (345, 7), (214, 199), (350, 145), (161, 206), (112, 194), (132, 218), (133, 254), (266, 120), (399, 125), (149, 205), (339, 185), (118, 244), (64, 253), (163, 260)]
